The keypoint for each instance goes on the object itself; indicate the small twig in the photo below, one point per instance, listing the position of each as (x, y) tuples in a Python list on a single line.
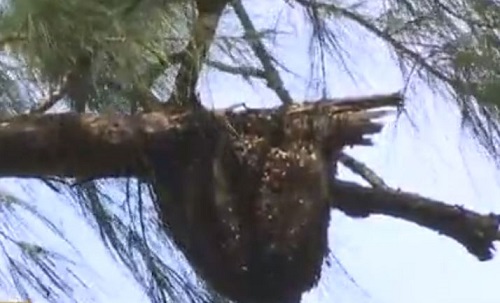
[(275, 83), (245, 71), (474, 231), (51, 183), (48, 103), (363, 171), (272, 75)]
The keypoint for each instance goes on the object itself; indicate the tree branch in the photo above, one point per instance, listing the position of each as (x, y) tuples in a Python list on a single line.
[(93, 146), (244, 71), (272, 75), (46, 104), (191, 61), (54, 97), (362, 170), (474, 231)]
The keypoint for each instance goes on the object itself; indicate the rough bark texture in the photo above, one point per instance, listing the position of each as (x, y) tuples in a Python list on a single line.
[(87, 146), (100, 146), (71, 145)]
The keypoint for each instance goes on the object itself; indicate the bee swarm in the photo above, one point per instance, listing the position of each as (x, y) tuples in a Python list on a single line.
[(245, 195)]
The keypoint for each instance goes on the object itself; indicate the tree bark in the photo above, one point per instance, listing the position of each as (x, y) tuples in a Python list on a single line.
[(99, 146)]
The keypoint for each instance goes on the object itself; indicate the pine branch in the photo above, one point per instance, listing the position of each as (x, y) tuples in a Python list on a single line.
[(244, 71), (272, 75), (476, 232), (192, 58), (72, 86), (362, 170), (76, 85)]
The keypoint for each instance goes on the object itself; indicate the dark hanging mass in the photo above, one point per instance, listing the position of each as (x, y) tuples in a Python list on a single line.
[(245, 196)]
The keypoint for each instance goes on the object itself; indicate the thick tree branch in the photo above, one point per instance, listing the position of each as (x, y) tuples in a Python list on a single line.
[(474, 231), (88, 146), (91, 146), (68, 145), (244, 71)]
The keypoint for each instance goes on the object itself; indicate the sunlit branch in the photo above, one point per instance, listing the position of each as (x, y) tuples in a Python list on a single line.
[(54, 144)]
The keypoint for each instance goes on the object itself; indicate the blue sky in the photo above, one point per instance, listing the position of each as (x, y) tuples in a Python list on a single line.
[(391, 260)]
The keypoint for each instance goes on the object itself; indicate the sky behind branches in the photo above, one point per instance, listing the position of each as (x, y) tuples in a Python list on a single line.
[(392, 261)]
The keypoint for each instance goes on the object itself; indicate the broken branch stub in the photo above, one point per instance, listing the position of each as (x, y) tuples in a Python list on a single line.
[(246, 196)]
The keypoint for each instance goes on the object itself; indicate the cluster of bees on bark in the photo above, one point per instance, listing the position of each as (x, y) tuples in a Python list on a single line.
[(256, 203)]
